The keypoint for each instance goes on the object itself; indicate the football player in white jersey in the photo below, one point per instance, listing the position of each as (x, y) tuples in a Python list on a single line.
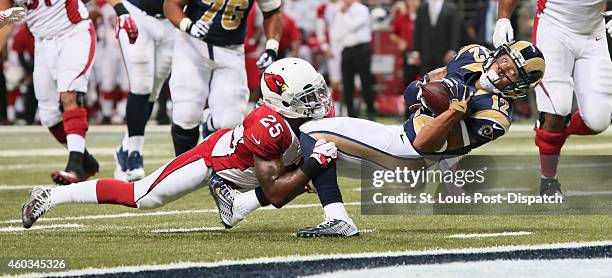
[(148, 60), (65, 49), (208, 63), (572, 37), (263, 153)]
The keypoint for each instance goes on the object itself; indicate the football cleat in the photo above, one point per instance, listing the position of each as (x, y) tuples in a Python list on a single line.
[(36, 206), (135, 169), (121, 157), (224, 198), (74, 171), (550, 187), (330, 228), (90, 166), (65, 178)]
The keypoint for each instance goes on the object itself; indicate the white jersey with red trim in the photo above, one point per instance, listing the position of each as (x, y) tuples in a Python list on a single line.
[(580, 17), (50, 18), (264, 133)]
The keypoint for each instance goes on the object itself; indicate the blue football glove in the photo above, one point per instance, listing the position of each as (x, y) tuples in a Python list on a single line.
[(459, 94)]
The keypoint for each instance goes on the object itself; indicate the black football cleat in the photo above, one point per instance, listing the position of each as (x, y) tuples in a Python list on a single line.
[(550, 187)]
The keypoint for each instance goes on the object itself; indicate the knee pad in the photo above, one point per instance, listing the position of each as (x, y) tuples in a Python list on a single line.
[(596, 123), (187, 115), (49, 116)]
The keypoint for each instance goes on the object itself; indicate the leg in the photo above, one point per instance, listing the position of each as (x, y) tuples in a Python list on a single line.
[(554, 99), (139, 59), (367, 80), (348, 84), (181, 176), (189, 87), (73, 70), (229, 94)]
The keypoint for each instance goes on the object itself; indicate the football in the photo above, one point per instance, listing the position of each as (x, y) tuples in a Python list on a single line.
[(435, 96)]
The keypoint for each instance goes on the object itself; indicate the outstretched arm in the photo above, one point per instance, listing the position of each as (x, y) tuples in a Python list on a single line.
[(279, 188)]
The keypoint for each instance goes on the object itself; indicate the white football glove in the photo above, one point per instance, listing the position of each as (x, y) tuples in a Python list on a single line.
[(199, 29), (503, 32), (609, 27), (324, 152), (11, 15)]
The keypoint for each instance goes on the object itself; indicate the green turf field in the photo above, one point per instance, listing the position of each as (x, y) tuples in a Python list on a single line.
[(105, 236)]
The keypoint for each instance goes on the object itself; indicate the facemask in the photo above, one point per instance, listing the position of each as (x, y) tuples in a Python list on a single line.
[(487, 84)]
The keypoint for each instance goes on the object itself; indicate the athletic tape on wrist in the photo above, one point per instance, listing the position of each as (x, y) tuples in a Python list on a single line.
[(185, 24)]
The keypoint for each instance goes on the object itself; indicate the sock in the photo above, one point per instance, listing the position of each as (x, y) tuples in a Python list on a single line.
[(82, 192), (75, 121), (124, 142), (577, 126), (184, 139), (261, 197), (135, 144), (245, 203), (336, 211), (76, 143), (549, 144), (137, 114), (58, 133), (118, 192)]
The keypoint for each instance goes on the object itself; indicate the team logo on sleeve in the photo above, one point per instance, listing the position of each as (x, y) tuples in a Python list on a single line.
[(486, 131), (275, 83)]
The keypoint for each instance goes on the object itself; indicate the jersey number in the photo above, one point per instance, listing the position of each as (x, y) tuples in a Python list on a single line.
[(232, 10), (274, 130), (478, 58), (501, 108)]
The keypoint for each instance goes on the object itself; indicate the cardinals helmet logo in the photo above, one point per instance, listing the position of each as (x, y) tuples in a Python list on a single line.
[(275, 83)]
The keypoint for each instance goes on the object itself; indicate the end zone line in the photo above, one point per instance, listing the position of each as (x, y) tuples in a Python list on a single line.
[(365, 255)]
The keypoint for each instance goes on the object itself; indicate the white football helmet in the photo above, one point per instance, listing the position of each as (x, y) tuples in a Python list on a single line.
[(294, 89)]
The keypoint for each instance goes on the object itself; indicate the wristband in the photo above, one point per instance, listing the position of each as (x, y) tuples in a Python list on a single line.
[(185, 24), (458, 106), (120, 9), (272, 44), (311, 168)]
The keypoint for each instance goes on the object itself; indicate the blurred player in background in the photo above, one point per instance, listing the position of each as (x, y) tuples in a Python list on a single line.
[(208, 64), (146, 45), (65, 49), (331, 46), (480, 84), (263, 152), (572, 36), (109, 69)]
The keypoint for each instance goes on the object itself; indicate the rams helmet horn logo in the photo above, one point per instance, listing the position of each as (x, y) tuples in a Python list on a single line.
[(275, 83)]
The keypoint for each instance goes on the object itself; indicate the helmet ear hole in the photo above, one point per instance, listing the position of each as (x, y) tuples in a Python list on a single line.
[(286, 104)]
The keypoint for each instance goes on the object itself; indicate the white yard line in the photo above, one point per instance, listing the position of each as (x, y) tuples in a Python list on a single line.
[(92, 129), (158, 213), (183, 265), (482, 235), (20, 153), (40, 227), (32, 166), (188, 230)]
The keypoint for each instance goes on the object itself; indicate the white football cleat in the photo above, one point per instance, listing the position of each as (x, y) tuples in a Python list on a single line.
[(331, 228), (36, 206), (120, 164), (224, 197)]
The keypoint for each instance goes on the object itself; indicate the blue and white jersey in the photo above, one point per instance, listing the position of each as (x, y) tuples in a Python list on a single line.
[(488, 117)]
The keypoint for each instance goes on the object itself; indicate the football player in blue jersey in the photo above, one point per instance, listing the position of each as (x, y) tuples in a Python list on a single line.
[(208, 67), (146, 44), (480, 84)]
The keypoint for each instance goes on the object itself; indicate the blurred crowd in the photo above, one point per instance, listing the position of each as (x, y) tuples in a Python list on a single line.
[(367, 50)]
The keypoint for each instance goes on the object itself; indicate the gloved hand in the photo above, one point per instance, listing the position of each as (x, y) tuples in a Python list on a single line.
[(459, 94), (503, 32), (323, 154), (199, 29), (267, 58), (127, 23)]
